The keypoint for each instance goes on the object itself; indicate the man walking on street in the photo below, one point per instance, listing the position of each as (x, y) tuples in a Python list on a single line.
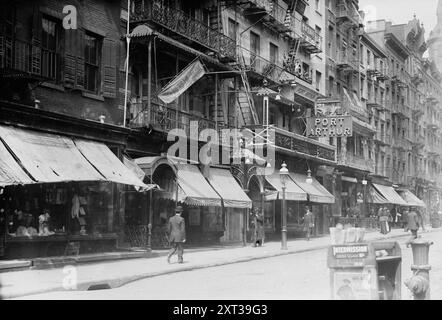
[(177, 235), (412, 225)]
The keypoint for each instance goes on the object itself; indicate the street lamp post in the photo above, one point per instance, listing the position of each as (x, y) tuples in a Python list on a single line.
[(283, 173)]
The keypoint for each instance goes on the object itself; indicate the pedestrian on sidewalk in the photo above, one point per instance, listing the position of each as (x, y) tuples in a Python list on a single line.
[(412, 224), (309, 223), (257, 228), (383, 220), (177, 235), (404, 219)]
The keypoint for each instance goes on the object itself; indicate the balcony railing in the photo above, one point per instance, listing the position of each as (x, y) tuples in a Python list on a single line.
[(417, 78), (265, 68), (347, 13), (164, 118), (375, 102), (400, 109), (311, 39), (22, 58), (382, 138), (357, 162), (346, 60), (181, 23), (302, 145), (398, 79), (269, 12), (381, 73)]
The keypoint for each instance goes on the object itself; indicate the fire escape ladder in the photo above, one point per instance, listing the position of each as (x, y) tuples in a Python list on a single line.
[(245, 99)]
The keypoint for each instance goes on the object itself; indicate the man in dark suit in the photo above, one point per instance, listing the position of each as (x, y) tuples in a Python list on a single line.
[(177, 235)]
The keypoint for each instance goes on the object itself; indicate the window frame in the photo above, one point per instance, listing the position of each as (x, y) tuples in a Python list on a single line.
[(54, 52), (92, 65)]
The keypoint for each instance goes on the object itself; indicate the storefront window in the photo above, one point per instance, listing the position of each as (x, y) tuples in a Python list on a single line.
[(58, 209)]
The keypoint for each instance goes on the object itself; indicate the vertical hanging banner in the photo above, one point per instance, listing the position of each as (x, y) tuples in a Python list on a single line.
[(187, 77)]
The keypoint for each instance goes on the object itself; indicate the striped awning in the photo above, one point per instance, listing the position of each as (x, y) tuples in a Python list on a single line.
[(293, 191), (316, 192), (10, 171), (410, 198), (29, 156), (230, 191), (390, 195), (195, 188)]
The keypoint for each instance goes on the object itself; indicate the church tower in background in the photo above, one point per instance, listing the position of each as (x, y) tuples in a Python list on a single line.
[(435, 40)]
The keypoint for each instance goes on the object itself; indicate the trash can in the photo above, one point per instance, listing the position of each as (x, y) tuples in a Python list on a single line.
[(365, 271)]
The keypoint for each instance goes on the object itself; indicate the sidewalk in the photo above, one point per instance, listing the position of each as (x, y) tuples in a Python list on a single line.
[(111, 274)]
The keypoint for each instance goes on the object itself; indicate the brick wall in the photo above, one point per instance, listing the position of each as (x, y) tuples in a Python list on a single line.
[(99, 17)]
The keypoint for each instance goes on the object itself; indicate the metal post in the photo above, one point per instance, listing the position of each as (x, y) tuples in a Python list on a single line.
[(149, 225), (149, 75), (284, 221), (127, 64), (216, 102)]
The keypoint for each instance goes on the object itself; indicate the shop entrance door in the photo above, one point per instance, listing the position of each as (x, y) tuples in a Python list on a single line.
[(234, 225)]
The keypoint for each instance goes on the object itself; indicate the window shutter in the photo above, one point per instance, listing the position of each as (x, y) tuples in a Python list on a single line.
[(109, 68), (74, 59), (36, 41), (79, 70)]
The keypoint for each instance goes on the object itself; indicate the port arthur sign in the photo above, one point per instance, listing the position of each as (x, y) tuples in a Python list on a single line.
[(337, 126)]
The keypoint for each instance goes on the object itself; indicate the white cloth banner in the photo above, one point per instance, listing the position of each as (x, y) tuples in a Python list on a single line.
[(187, 77)]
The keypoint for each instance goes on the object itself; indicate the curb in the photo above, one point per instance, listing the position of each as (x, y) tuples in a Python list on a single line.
[(115, 283)]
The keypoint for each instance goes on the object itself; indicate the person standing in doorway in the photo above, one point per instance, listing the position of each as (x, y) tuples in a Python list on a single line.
[(412, 224), (309, 223), (177, 235)]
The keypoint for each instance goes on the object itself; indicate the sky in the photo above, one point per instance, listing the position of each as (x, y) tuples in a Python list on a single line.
[(401, 11)]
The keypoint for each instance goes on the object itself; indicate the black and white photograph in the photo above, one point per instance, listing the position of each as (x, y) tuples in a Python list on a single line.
[(232, 152)]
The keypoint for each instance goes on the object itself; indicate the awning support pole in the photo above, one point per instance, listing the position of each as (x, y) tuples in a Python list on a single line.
[(127, 64), (149, 75)]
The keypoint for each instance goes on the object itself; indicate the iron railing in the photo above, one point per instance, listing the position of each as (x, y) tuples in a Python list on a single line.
[(300, 144), (183, 24), (256, 63), (353, 161), (311, 36), (24, 57), (165, 118), (344, 11), (346, 58)]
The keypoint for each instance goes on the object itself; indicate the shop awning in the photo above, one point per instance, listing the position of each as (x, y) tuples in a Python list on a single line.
[(48, 157), (375, 197), (230, 191), (292, 192), (107, 163), (52, 158), (10, 171), (197, 190), (410, 198), (390, 195), (316, 192), (134, 167)]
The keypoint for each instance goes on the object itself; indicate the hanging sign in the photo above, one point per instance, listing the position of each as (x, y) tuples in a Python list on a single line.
[(178, 85), (338, 126)]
